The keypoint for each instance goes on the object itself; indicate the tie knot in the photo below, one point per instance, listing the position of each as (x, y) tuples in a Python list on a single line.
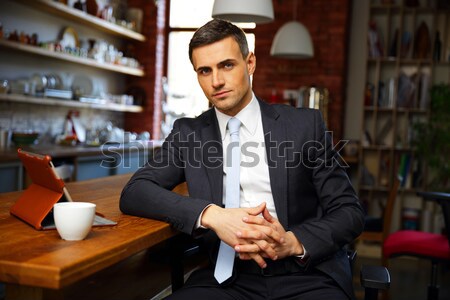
[(233, 126)]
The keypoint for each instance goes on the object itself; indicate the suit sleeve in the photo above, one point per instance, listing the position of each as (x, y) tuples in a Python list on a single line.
[(341, 217), (148, 193)]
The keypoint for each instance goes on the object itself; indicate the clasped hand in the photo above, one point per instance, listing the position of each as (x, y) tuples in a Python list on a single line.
[(252, 236)]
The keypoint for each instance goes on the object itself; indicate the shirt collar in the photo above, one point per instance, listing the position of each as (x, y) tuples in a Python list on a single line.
[(246, 116)]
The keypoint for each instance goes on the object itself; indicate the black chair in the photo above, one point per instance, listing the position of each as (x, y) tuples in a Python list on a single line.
[(372, 278)]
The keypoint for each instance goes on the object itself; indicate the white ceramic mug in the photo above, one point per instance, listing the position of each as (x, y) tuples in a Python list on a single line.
[(73, 220)]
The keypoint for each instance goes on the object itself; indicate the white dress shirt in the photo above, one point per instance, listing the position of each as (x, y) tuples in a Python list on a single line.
[(254, 171)]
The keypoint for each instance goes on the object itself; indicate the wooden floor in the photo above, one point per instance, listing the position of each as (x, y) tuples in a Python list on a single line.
[(409, 278), (146, 274)]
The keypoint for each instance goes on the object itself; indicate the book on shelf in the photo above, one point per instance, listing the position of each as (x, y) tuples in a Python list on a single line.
[(375, 41), (368, 96), (386, 93), (391, 92), (393, 48), (405, 91), (422, 42), (367, 139), (383, 132), (417, 175), (403, 171), (383, 179), (381, 94), (424, 93), (405, 45)]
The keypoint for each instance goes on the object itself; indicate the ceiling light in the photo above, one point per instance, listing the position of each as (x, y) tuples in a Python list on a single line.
[(292, 41), (244, 11)]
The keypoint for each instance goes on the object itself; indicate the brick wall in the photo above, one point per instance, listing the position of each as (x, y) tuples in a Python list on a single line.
[(328, 23), (146, 54)]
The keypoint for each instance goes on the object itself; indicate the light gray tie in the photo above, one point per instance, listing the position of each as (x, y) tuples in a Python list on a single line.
[(225, 258)]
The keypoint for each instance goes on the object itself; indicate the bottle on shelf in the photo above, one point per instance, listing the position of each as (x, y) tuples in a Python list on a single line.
[(274, 96)]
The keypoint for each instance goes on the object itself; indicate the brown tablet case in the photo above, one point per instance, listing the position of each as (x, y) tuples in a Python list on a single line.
[(35, 205), (37, 201)]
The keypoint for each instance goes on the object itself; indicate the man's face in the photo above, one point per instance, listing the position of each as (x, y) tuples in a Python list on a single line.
[(224, 75)]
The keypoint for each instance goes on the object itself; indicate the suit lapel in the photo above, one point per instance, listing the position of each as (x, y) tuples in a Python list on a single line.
[(275, 135), (212, 156)]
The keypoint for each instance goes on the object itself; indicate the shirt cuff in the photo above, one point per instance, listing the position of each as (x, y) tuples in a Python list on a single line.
[(303, 260), (305, 254), (199, 220)]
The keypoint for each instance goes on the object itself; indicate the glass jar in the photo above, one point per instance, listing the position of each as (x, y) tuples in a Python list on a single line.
[(4, 86)]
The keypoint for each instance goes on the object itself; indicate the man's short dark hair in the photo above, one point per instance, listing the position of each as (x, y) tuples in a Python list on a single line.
[(216, 30)]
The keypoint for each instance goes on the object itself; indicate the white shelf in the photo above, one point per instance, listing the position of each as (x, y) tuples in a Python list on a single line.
[(71, 58), (69, 103), (62, 10)]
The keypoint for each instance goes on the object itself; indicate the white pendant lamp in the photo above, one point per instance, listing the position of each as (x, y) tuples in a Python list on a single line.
[(292, 41), (244, 11)]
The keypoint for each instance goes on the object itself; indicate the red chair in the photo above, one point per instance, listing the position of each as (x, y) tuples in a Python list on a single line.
[(431, 246)]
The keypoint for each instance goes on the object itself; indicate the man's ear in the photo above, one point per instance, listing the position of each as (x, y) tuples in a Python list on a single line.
[(251, 63)]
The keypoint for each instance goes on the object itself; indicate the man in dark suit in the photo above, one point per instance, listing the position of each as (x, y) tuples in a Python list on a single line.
[(297, 208)]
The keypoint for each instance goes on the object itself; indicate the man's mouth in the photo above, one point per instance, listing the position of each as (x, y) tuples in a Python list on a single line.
[(221, 94)]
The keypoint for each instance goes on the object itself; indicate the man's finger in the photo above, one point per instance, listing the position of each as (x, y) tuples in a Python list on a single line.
[(244, 256), (256, 220), (261, 233), (267, 248), (268, 216), (259, 260), (247, 248), (258, 246), (254, 211)]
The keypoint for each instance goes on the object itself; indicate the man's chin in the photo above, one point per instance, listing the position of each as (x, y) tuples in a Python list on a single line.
[(222, 105), (222, 108)]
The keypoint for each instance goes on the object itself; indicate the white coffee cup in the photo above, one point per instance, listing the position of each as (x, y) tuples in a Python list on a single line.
[(73, 220)]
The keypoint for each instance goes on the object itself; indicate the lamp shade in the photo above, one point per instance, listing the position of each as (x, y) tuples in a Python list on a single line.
[(292, 41), (239, 11)]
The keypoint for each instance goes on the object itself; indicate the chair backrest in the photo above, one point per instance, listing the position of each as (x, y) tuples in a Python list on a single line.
[(399, 180), (444, 201), (445, 204), (389, 208)]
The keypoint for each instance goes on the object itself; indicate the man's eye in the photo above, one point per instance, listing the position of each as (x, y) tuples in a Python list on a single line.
[(203, 72), (229, 65)]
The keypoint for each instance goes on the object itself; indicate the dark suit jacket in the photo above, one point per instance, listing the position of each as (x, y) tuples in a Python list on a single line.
[(312, 193)]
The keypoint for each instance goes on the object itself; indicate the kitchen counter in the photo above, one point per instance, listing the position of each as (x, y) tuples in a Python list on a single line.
[(59, 151), (77, 163)]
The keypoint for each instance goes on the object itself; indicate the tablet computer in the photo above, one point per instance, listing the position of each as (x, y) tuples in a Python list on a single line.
[(35, 205)]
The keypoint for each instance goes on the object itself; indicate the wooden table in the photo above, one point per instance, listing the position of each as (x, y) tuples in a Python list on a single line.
[(33, 260)]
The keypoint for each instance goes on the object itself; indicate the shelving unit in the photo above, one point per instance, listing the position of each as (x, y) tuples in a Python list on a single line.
[(396, 96), (71, 58), (69, 103), (55, 8), (81, 17)]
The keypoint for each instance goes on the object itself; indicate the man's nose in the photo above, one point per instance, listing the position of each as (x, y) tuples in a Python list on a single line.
[(217, 79)]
